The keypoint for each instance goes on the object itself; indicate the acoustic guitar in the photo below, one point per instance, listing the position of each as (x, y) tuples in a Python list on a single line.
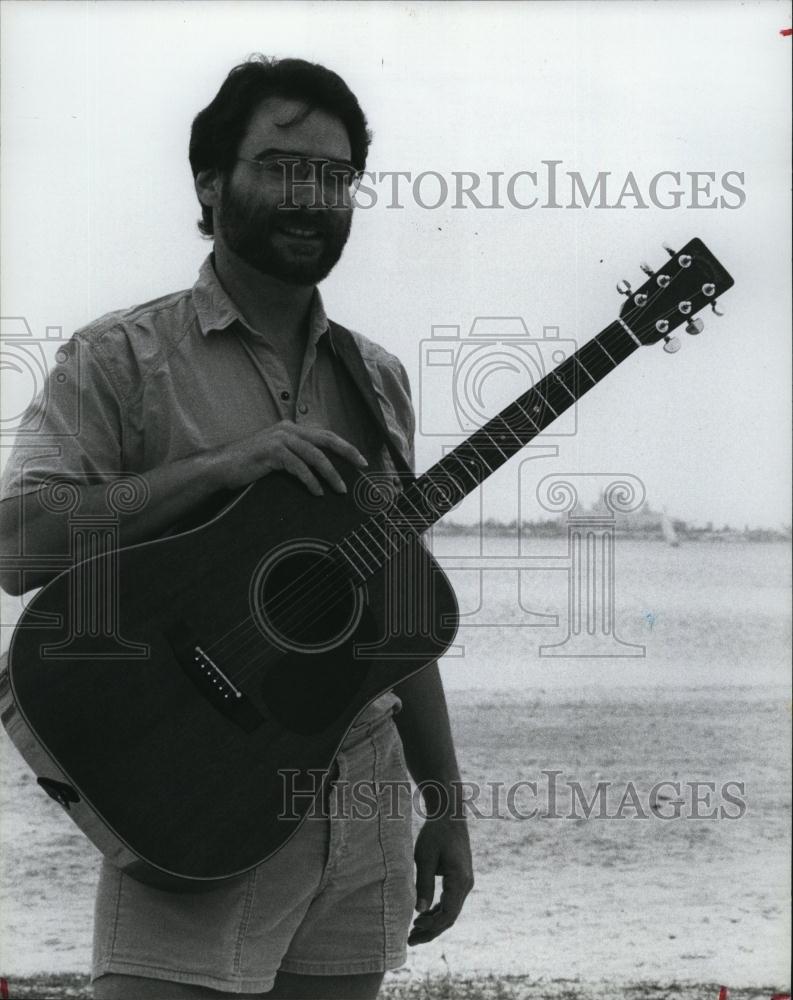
[(245, 648)]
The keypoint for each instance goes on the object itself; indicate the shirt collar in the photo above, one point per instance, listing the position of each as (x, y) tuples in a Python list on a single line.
[(216, 311)]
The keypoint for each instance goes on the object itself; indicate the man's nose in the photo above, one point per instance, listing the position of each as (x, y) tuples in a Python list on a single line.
[(305, 187)]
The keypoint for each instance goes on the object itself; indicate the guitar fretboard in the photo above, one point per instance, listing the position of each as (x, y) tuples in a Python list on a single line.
[(425, 500)]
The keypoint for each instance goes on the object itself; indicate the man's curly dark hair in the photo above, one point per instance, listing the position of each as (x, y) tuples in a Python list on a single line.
[(218, 130)]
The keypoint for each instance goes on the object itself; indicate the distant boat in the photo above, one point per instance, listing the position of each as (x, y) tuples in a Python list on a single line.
[(668, 529)]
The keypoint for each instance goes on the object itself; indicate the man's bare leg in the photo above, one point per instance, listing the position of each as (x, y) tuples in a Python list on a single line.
[(288, 986)]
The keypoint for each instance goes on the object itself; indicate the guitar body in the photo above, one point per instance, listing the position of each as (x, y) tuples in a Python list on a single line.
[(163, 723)]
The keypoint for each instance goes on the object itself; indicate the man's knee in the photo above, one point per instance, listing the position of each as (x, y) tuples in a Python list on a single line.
[(114, 986), (290, 986)]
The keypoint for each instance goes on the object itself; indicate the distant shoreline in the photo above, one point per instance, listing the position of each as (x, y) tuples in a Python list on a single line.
[(556, 529)]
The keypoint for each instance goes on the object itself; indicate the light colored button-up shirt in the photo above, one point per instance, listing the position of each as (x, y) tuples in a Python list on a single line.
[(146, 386)]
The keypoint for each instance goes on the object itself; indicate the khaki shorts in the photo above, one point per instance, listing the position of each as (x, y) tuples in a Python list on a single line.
[(337, 899)]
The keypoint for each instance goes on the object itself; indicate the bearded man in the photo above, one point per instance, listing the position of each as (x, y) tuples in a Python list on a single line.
[(202, 392)]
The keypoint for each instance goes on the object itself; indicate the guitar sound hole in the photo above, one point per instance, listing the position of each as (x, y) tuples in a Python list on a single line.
[(302, 601), (309, 608)]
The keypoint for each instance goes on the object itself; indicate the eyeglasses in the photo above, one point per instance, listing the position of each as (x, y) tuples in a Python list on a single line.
[(288, 170)]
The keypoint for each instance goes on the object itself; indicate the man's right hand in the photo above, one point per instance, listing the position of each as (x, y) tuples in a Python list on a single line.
[(173, 490), (288, 447)]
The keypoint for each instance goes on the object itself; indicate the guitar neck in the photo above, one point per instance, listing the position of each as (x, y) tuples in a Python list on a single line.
[(465, 468)]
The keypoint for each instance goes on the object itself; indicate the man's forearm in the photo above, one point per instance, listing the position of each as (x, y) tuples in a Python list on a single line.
[(426, 734), (30, 530)]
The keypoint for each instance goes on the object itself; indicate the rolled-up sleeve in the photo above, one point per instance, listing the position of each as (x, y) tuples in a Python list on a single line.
[(73, 427)]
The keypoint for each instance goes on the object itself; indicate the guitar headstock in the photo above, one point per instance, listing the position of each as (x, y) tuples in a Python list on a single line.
[(690, 280)]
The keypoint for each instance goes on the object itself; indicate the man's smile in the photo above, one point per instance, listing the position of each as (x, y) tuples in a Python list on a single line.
[(300, 232)]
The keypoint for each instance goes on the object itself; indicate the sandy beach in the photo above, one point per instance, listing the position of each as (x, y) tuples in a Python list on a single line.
[(621, 906)]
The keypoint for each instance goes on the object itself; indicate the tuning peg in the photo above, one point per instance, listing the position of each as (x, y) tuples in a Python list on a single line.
[(695, 326), (669, 250), (646, 268), (715, 309), (624, 287), (671, 345)]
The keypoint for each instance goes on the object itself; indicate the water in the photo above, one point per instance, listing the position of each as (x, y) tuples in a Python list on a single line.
[(603, 898)]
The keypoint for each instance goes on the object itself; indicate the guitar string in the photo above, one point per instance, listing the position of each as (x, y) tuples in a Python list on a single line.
[(381, 540), (328, 588), (292, 593), (323, 585), (333, 597), (611, 335)]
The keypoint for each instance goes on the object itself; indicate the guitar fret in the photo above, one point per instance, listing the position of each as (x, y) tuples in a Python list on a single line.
[(553, 411), (581, 365), (525, 414), (461, 462), (404, 495), (448, 479), (505, 422), (560, 382), (473, 444), (535, 409), (360, 555), (630, 332), (389, 530), (356, 568), (605, 351), (397, 530), (620, 344), (596, 360), (494, 442), (368, 532)]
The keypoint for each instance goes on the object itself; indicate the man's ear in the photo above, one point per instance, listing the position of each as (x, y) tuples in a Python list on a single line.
[(207, 187)]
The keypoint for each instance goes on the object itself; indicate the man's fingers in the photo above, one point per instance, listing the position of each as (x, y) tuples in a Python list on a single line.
[(318, 462), (297, 467), (445, 912), (425, 885), (327, 439), (429, 925), (455, 889)]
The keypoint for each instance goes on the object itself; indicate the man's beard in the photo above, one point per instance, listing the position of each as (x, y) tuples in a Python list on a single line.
[(255, 233)]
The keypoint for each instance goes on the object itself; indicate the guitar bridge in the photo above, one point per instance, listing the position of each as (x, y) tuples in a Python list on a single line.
[(210, 679)]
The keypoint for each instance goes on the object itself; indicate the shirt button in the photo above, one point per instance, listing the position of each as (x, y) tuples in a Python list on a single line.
[(302, 408), (284, 394)]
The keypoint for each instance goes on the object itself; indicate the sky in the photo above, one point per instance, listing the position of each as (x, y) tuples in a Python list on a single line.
[(98, 209)]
